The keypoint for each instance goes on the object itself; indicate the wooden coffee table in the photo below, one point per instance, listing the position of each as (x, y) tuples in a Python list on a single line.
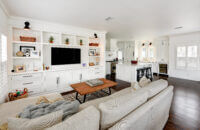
[(83, 89)]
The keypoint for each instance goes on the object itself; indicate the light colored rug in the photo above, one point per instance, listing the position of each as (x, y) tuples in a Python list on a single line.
[(92, 96)]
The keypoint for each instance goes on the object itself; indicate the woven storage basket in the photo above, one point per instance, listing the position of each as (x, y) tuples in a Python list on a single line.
[(27, 39)]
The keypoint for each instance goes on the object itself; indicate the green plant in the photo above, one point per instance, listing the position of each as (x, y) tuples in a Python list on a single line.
[(51, 39), (66, 40)]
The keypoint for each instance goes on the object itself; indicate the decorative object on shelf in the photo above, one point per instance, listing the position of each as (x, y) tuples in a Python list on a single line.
[(84, 64), (150, 43), (19, 94), (26, 25), (27, 39), (81, 42), (20, 68), (51, 39), (92, 52), (47, 68), (94, 44), (143, 44), (35, 54), (67, 41), (20, 54), (91, 64), (97, 59), (27, 50)]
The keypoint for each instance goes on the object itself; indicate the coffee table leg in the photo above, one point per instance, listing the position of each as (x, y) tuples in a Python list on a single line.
[(84, 98), (109, 91)]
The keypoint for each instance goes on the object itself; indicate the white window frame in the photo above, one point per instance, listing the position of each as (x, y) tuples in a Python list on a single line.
[(187, 59)]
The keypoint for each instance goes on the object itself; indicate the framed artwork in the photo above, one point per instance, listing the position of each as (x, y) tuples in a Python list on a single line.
[(20, 68), (92, 52), (27, 50), (34, 54)]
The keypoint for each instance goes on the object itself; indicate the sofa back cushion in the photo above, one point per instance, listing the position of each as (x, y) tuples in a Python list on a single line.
[(87, 119), (150, 116), (155, 87), (116, 108)]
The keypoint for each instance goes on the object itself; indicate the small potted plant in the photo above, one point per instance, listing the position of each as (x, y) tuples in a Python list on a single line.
[(67, 41), (51, 39), (81, 42)]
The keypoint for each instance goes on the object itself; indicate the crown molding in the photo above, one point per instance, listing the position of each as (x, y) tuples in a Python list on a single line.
[(3, 7)]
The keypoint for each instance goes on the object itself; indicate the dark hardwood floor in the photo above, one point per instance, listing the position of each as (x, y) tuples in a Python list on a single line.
[(185, 108)]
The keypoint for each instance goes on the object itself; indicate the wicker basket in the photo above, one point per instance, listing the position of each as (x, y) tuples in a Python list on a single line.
[(12, 97), (27, 39)]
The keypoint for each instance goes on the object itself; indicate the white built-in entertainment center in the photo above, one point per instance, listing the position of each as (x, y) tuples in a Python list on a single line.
[(39, 75)]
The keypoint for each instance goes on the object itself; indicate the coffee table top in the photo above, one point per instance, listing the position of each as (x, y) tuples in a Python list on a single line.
[(83, 88)]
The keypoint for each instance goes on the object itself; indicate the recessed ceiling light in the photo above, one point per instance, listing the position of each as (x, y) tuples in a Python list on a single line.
[(109, 18), (180, 27)]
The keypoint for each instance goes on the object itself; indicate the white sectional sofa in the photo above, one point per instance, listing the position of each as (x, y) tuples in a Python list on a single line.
[(143, 109)]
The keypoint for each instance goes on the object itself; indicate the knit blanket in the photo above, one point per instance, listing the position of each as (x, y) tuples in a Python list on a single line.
[(69, 108)]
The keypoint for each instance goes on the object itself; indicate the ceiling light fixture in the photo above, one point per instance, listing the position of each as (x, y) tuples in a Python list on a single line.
[(180, 27), (108, 18)]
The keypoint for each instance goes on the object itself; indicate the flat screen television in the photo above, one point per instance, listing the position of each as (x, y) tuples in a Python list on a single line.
[(64, 56)]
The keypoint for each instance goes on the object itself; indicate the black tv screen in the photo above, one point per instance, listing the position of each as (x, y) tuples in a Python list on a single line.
[(63, 56)]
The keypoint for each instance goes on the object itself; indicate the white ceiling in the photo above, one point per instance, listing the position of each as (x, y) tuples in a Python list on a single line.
[(138, 19)]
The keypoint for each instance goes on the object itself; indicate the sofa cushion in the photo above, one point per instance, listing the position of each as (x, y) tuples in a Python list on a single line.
[(11, 109), (87, 119), (38, 123), (144, 81), (96, 102), (116, 108), (156, 87)]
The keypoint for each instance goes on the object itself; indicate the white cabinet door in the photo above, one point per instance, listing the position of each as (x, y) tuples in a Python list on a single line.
[(65, 79), (86, 74), (51, 81), (76, 76)]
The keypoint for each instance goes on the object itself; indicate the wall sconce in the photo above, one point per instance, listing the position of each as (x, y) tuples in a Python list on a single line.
[(26, 25), (95, 35)]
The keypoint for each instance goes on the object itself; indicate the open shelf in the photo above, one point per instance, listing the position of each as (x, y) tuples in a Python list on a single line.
[(26, 43), (26, 57)]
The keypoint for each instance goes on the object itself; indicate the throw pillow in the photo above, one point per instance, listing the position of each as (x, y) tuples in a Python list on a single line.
[(135, 85), (39, 123), (144, 81)]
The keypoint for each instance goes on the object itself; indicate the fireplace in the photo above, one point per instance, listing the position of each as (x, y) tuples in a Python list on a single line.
[(163, 69)]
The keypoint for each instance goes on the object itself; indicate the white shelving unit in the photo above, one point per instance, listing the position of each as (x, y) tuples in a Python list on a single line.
[(57, 78), (43, 45)]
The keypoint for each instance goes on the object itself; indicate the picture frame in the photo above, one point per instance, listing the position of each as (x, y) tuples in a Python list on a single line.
[(34, 54), (92, 52), (27, 50), (20, 68)]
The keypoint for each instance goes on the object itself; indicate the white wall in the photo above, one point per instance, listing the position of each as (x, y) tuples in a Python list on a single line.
[(189, 38), (4, 30)]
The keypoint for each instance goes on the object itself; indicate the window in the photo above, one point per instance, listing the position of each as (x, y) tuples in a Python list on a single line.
[(120, 56), (151, 52), (3, 60), (3, 48), (187, 57), (144, 52)]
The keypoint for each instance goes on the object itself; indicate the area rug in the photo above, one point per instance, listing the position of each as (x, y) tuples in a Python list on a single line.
[(92, 96)]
